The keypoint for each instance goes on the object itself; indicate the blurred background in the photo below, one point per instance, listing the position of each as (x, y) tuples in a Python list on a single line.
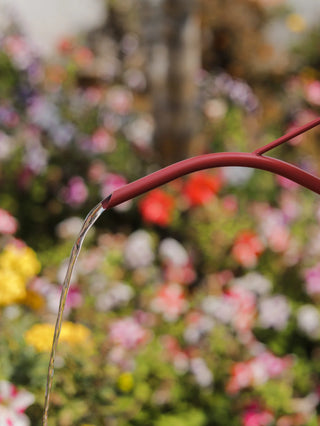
[(196, 304)]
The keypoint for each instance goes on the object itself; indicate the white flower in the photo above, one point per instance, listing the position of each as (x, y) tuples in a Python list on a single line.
[(69, 228), (12, 405), (6, 146), (171, 250), (274, 312), (202, 374), (215, 109), (140, 132), (221, 308), (118, 295), (138, 250), (308, 319), (255, 282), (237, 176), (197, 329)]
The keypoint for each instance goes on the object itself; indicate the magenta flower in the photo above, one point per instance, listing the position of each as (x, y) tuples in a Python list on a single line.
[(76, 191), (254, 416), (13, 403)]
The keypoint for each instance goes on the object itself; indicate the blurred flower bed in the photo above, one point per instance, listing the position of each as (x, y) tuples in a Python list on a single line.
[(197, 304)]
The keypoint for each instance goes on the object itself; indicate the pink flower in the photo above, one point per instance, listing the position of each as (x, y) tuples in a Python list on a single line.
[(13, 403), (244, 302), (312, 92), (175, 354), (312, 277), (128, 333), (273, 365), (111, 182), (286, 183), (256, 371), (179, 274), (102, 141), (170, 301), (76, 192), (8, 224), (119, 100), (19, 50), (97, 171), (274, 229)]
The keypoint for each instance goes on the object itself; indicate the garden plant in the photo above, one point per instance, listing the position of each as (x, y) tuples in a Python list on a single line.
[(196, 303)]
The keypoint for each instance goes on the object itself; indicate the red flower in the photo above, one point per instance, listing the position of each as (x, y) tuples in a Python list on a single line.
[(157, 207), (247, 248), (201, 188)]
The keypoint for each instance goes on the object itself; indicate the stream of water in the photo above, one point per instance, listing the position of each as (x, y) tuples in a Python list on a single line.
[(91, 218)]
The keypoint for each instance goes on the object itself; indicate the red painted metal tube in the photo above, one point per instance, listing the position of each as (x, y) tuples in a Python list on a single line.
[(288, 136), (223, 159)]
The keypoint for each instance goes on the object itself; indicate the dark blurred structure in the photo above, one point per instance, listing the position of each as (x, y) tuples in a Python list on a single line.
[(171, 35), (177, 40)]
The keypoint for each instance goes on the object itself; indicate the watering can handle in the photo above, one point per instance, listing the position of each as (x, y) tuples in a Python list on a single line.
[(254, 159)]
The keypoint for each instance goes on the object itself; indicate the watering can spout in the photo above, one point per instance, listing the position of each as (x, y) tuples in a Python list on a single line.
[(254, 159)]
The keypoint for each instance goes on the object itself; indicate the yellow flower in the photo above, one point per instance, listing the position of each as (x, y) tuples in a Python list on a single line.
[(74, 334), (125, 382), (40, 336), (17, 265), (33, 300), (22, 260), (12, 287), (296, 23)]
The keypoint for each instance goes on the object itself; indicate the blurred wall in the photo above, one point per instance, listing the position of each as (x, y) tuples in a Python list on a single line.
[(45, 22)]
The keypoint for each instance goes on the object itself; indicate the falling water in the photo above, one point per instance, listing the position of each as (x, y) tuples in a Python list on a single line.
[(87, 224)]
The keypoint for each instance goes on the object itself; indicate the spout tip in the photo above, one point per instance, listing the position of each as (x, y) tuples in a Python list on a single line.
[(105, 203)]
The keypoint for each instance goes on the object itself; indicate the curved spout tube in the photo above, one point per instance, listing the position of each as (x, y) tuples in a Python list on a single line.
[(223, 159)]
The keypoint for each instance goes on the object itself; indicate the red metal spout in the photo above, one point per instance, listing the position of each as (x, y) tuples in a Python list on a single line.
[(254, 160)]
